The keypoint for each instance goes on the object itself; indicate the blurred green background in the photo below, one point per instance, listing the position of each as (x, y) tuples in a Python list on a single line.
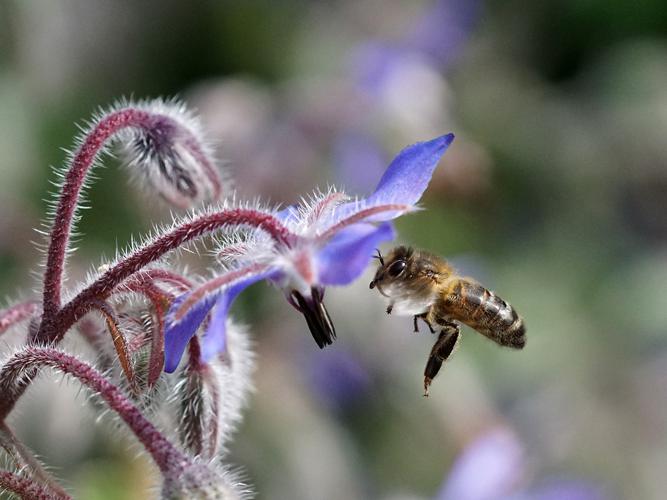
[(554, 195)]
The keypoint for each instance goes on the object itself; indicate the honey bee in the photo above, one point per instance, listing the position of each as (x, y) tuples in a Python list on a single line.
[(425, 286)]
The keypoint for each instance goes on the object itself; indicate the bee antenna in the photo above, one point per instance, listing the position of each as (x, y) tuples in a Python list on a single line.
[(379, 256)]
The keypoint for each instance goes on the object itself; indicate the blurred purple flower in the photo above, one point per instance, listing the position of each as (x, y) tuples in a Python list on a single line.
[(374, 62), (442, 30), (338, 379), (359, 159), (565, 489), (320, 243), (437, 38), (493, 467), (489, 468)]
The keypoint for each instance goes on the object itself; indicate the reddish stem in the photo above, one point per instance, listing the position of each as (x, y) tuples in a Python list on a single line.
[(27, 362), (25, 459), (195, 361), (26, 488), (16, 313), (62, 222), (160, 301), (53, 329), (166, 276)]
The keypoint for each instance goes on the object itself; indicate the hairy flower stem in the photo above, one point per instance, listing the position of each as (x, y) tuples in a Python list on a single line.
[(153, 124), (163, 275), (25, 459), (160, 301), (12, 383), (71, 189), (28, 489), (16, 313), (54, 327)]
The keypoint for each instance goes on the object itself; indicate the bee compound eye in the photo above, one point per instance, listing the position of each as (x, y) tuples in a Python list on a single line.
[(396, 268)]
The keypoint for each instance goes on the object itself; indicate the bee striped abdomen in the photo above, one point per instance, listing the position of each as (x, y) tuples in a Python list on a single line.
[(481, 309)]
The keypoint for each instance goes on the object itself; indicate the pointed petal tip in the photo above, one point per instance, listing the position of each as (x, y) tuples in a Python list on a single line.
[(409, 174), (441, 142), (170, 365)]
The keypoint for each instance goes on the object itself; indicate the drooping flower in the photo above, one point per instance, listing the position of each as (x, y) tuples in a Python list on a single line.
[(330, 243)]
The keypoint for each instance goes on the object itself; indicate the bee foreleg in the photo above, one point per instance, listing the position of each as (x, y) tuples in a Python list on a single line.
[(442, 349)]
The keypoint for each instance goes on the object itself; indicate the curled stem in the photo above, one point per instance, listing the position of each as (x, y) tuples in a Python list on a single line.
[(162, 134), (27, 362), (62, 223)]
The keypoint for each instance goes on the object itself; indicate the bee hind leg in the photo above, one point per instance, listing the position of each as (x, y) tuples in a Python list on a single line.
[(442, 349)]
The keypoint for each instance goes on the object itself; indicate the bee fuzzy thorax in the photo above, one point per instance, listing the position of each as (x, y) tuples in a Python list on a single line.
[(409, 279), (404, 302)]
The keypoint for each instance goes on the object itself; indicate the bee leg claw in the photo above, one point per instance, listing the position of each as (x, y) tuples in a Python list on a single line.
[(427, 383), (390, 307), (414, 322)]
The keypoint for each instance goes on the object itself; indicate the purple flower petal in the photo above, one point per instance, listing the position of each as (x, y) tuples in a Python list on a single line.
[(403, 183), (488, 469), (347, 254), (407, 177), (215, 340), (177, 335)]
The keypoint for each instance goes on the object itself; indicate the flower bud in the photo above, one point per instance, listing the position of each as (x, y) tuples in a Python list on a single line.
[(202, 482), (212, 395), (169, 153)]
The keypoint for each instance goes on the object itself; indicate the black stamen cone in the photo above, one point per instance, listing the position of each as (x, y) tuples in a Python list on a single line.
[(317, 317)]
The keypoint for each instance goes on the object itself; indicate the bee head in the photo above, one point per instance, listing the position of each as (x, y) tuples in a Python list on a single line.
[(392, 267)]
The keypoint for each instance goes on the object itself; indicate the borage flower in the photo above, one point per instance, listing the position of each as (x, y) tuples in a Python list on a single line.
[(327, 241)]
